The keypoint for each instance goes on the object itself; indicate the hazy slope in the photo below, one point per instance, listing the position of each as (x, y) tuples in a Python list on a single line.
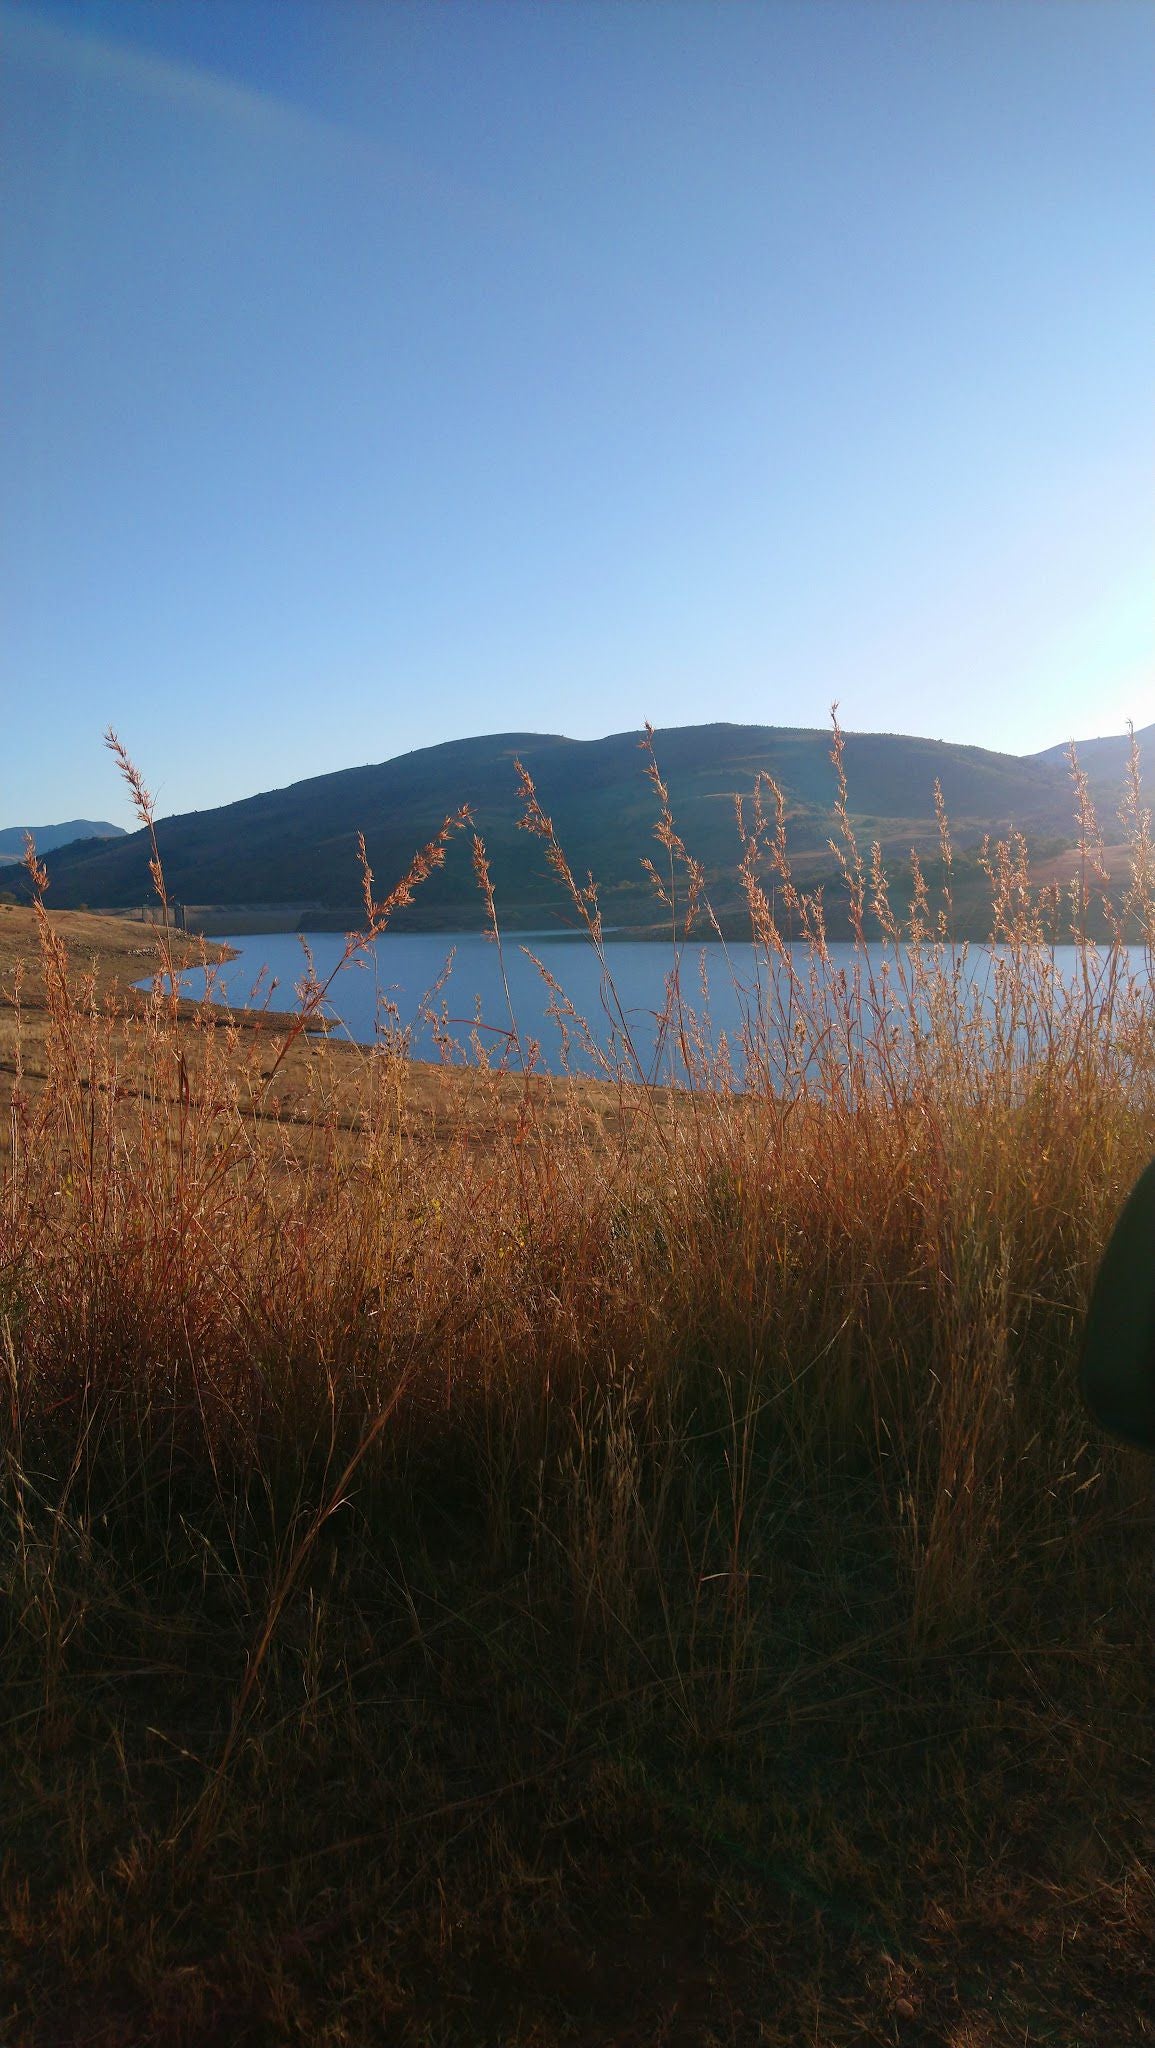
[(299, 844), (49, 836), (1105, 761)]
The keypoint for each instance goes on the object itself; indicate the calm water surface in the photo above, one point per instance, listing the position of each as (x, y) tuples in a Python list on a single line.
[(441, 987)]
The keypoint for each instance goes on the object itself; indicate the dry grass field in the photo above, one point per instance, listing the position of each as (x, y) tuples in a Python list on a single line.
[(107, 955), (486, 1559)]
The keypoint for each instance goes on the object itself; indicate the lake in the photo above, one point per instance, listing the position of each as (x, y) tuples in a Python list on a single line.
[(443, 995)]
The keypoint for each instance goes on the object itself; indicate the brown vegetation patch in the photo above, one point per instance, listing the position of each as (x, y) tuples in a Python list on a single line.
[(635, 1569)]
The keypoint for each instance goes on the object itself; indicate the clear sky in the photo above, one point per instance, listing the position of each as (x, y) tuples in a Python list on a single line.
[(375, 374)]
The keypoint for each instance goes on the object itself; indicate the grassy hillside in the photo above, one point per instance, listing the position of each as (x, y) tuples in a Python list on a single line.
[(612, 1566), (299, 844)]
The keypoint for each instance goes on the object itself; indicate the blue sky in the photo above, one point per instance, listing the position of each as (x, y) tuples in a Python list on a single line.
[(374, 374)]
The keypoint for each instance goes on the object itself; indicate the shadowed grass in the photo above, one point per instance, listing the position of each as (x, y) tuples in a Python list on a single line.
[(644, 1578)]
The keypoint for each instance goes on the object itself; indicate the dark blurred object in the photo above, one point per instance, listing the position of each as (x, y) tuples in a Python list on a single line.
[(1117, 1368)]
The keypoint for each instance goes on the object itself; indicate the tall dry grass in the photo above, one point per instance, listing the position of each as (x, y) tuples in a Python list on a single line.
[(373, 1512)]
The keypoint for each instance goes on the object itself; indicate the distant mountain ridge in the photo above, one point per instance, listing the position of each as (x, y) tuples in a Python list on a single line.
[(297, 846), (50, 837), (1100, 757)]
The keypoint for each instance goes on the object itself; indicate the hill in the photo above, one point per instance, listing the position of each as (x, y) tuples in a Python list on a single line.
[(296, 847), (1105, 761), (49, 837)]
